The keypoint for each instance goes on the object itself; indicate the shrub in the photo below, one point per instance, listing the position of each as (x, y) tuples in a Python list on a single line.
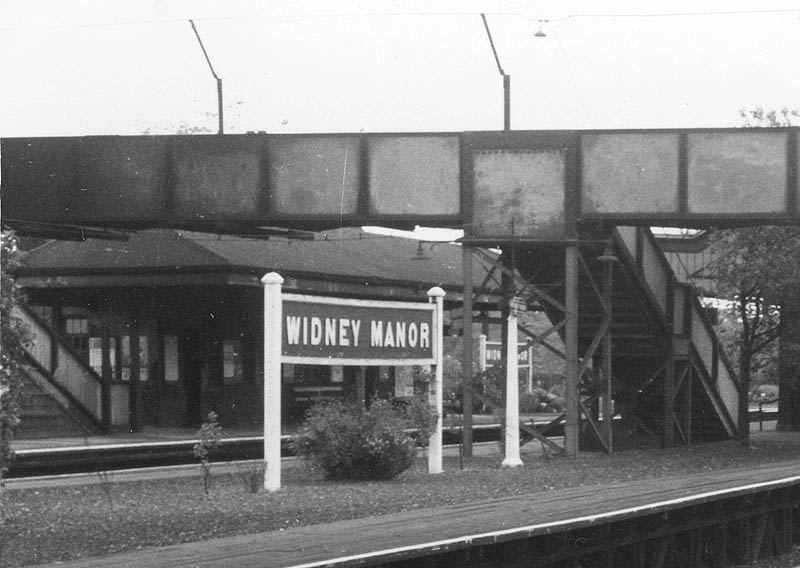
[(489, 385), (210, 437), (541, 400), (350, 442)]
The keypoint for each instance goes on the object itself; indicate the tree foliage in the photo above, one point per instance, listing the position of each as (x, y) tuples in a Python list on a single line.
[(15, 337), (756, 262), (758, 117), (757, 268), (764, 364)]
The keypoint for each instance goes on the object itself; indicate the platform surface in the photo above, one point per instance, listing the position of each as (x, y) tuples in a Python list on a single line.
[(415, 533)]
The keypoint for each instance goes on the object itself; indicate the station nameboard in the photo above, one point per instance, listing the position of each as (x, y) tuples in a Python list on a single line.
[(494, 354), (336, 331)]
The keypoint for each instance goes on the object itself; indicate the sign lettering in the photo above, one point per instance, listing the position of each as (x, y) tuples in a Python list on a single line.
[(331, 331)]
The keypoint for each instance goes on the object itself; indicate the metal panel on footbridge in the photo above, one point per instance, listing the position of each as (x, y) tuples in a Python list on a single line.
[(510, 184)]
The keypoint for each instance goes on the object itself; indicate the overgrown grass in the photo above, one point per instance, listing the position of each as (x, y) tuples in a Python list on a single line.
[(56, 523)]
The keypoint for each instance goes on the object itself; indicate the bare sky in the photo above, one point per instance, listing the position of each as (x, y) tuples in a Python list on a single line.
[(124, 67)]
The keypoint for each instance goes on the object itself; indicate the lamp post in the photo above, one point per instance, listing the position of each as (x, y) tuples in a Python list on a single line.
[(506, 79)]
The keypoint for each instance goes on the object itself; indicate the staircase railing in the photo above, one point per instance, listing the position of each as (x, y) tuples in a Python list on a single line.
[(70, 374), (686, 317), (708, 350)]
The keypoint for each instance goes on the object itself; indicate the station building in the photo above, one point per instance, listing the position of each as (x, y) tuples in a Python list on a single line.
[(170, 322)]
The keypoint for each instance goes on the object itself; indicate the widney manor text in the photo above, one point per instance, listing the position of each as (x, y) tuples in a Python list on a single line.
[(346, 332)]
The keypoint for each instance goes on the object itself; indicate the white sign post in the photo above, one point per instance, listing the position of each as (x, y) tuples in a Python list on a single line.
[(436, 294), (512, 458), (273, 313)]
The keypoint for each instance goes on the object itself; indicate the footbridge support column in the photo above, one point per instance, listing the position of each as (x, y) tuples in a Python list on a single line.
[(571, 427)]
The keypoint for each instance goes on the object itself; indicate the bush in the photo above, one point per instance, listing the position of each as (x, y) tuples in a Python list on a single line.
[(764, 393), (350, 442), (541, 400), (210, 437), (489, 385)]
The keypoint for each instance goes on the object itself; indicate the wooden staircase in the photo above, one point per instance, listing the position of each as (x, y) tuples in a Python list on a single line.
[(44, 414), (670, 379), (63, 396)]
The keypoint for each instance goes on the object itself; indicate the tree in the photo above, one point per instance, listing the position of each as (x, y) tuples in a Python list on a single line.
[(759, 118), (758, 268), (15, 337), (755, 267), (764, 364)]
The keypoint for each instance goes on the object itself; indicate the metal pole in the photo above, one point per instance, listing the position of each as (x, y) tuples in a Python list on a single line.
[(219, 105), (482, 365), (466, 355), (529, 352), (482, 351), (213, 73), (608, 410), (506, 78), (506, 102), (571, 349), (668, 439), (436, 295), (273, 314)]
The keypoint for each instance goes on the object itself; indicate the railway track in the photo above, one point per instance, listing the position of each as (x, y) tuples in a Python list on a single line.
[(136, 455)]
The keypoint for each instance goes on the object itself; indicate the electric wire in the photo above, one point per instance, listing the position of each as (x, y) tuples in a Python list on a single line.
[(531, 17), (571, 75)]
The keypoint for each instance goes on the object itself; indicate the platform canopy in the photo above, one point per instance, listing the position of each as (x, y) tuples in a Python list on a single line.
[(494, 185)]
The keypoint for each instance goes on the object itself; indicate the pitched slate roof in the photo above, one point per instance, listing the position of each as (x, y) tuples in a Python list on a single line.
[(343, 254), (154, 249)]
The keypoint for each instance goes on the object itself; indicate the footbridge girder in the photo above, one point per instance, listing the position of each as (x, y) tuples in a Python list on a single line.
[(501, 185)]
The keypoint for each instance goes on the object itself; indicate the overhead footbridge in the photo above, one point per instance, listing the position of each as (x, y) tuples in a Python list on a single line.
[(569, 209)]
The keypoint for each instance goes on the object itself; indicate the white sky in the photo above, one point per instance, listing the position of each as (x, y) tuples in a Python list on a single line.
[(123, 67)]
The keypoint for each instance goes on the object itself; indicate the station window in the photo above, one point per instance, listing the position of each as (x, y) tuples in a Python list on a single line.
[(144, 358), (125, 356), (76, 330), (232, 361), (171, 359), (96, 354), (77, 326)]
